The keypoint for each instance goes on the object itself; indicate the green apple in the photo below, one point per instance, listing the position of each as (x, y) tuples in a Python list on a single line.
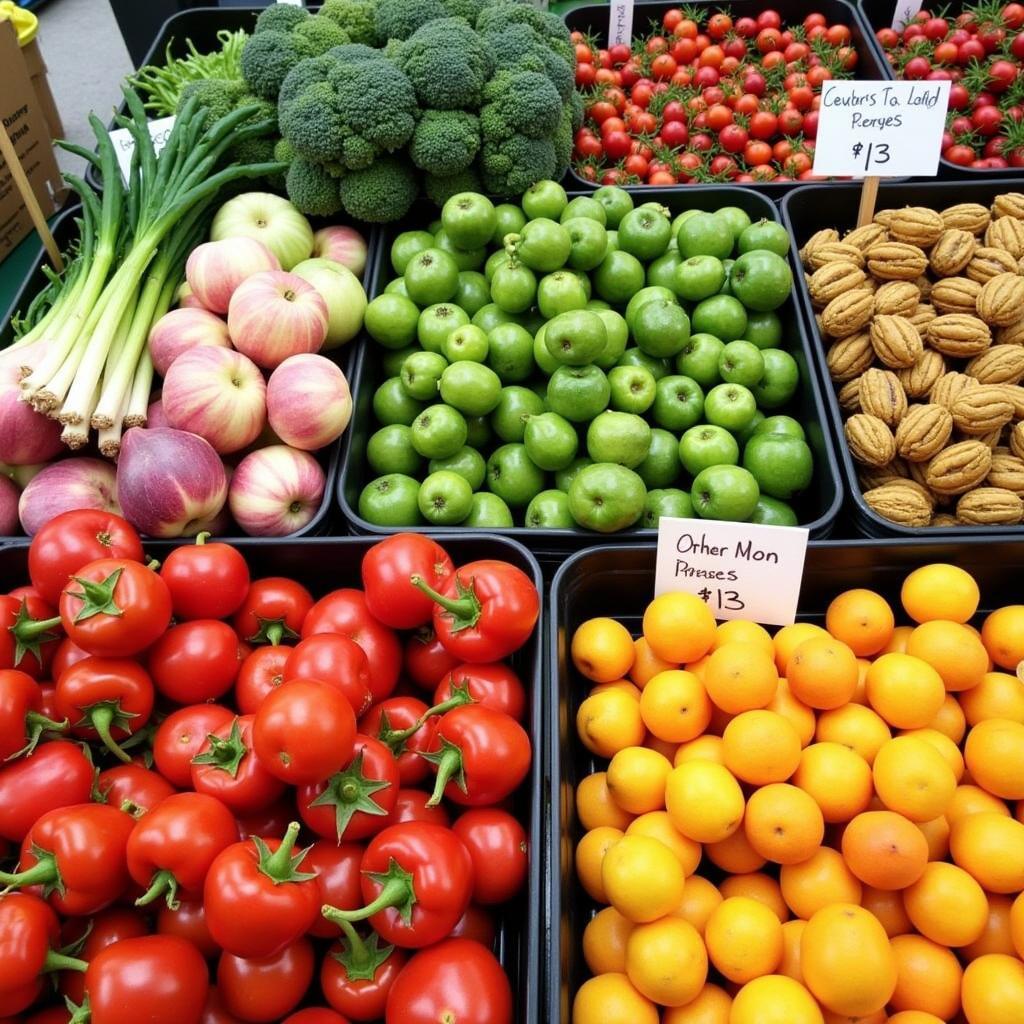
[(576, 338), (724, 316), (707, 445), (632, 388), (678, 402), (618, 335), (698, 278), (666, 501), (699, 359), (781, 465), (704, 234), (619, 437), (579, 393), (606, 497), (764, 234), (549, 510), (725, 492), (772, 512), (661, 467), (661, 328), (730, 405), (761, 280), (780, 380), (741, 363), (781, 425)]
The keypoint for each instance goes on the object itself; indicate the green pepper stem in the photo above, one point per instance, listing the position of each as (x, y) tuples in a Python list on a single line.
[(163, 884), (461, 608), (43, 872), (28, 629), (396, 892), (356, 947), (396, 737), (101, 719), (280, 861), (449, 766), (35, 725), (59, 962), (202, 538)]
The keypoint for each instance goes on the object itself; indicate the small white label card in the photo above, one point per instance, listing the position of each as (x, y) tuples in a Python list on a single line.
[(620, 22), (124, 143), (882, 129), (904, 13), (742, 571), (291, 3)]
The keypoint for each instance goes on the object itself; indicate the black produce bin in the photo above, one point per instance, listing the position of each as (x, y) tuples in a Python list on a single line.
[(592, 20), (323, 565), (817, 508), (64, 232), (619, 582), (811, 208)]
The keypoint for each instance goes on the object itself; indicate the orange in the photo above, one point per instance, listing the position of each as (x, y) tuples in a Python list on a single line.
[(913, 778), (658, 825), (820, 881), (955, 651), (699, 900), (950, 720), (608, 722), (734, 854), (612, 999), (758, 886), (887, 906), (973, 800), (741, 631), (703, 748), (622, 685), (990, 847), (642, 878), (913, 1017), (710, 1007), (861, 1018), (636, 779), (860, 695), (936, 835), (740, 677), (1017, 925), (679, 627), (1002, 633), (761, 747), (798, 714), (993, 990), (783, 823), (854, 726), (847, 962), (602, 650), (862, 619), (792, 933), (822, 672), (646, 664), (998, 695), (697, 667), (885, 850), (940, 591), (704, 801), (994, 753), (719, 720), (744, 939), (998, 934), (595, 806), (789, 638), (898, 641), (590, 854), (946, 905), (663, 747), (775, 999), (944, 745), (838, 779), (666, 961), (905, 691), (604, 941), (927, 977), (675, 706)]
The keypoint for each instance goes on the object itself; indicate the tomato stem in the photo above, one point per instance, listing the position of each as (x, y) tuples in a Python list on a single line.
[(449, 766), (202, 538), (350, 791), (35, 725), (281, 866), (97, 597), (272, 632), (79, 1014), (225, 754), (102, 717), (397, 891), (44, 872), (163, 884), (30, 634), (395, 738), (465, 609), (59, 962), (360, 959)]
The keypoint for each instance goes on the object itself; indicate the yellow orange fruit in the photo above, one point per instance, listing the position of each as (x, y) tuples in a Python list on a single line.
[(927, 977), (679, 627), (703, 748), (609, 721), (855, 726), (990, 848), (783, 823), (646, 664), (940, 591), (636, 779), (590, 854), (675, 706), (838, 779), (761, 747), (744, 939), (993, 990), (968, 799), (998, 934), (820, 881), (905, 691), (798, 714), (822, 672), (734, 854), (1002, 633), (699, 900), (602, 650), (944, 745), (998, 695), (642, 878), (913, 778), (704, 801), (604, 941), (658, 825), (898, 641), (744, 632), (666, 961), (994, 753), (862, 619), (947, 905), (595, 806), (887, 906), (885, 850), (775, 999), (612, 999), (955, 651), (792, 933), (950, 720), (710, 1007), (936, 835), (740, 677), (758, 886)]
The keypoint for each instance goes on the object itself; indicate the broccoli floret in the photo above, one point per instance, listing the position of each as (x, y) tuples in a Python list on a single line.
[(280, 18), (447, 63), (301, 77), (468, 9), (500, 13), (266, 60), (577, 109), (511, 166), (526, 101), (563, 142), (317, 35), (398, 19), (312, 189), (375, 100), (381, 193), (355, 17), (253, 151), (445, 141), (354, 52), (519, 47), (439, 190), (217, 96), (356, 153), (312, 124)]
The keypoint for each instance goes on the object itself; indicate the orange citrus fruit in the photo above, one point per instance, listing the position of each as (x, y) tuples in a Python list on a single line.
[(940, 591), (822, 672), (602, 650), (913, 778), (950, 720), (679, 627), (792, 933), (734, 854), (741, 631), (604, 941), (612, 999), (994, 753), (885, 850), (658, 825), (990, 847), (927, 977), (636, 779), (887, 906), (820, 881), (953, 650), (993, 990), (998, 934), (789, 638), (744, 939), (758, 886), (703, 748), (969, 799), (674, 705), (774, 999), (609, 721), (998, 695), (947, 905), (590, 854), (666, 961), (838, 779), (595, 806), (710, 1007), (740, 677), (905, 691), (798, 714), (761, 747), (646, 664), (1002, 633), (699, 900), (862, 619), (854, 726), (704, 801), (629, 868), (783, 823)]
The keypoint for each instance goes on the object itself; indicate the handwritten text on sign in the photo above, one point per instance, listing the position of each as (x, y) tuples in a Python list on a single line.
[(741, 570), (620, 22), (883, 129), (124, 142)]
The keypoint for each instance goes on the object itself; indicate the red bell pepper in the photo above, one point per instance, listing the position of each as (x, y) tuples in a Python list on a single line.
[(22, 722)]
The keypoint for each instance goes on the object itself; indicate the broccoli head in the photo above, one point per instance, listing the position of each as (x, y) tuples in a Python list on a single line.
[(498, 14), (355, 17), (445, 141), (280, 18), (312, 189), (519, 47), (398, 19), (259, 150), (440, 189), (317, 35), (526, 101), (266, 60), (509, 167), (217, 96), (468, 9), (447, 63), (381, 193), (312, 124)]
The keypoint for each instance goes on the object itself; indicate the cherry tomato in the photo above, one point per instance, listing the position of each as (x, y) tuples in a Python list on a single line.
[(426, 659), (266, 989), (133, 785), (261, 672), (26, 640), (181, 735), (498, 847), (273, 610), (56, 774), (732, 138), (29, 933), (214, 1012), (585, 76), (335, 660), (493, 685), (22, 722), (227, 768), (336, 866), (87, 936), (196, 661), (616, 145), (206, 581), (387, 570), (663, 66), (395, 715), (357, 974), (188, 921), (413, 805)]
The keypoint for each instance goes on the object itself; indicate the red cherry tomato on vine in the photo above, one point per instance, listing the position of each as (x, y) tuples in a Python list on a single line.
[(266, 989), (273, 610), (226, 767), (387, 569), (182, 734)]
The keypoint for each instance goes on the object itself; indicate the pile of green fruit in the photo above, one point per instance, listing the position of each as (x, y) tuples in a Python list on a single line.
[(584, 363)]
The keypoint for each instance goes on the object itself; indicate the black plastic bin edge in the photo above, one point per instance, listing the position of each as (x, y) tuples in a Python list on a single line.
[(557, 542), (867, 563), (313, 556), (928, 193), (63, 229), (593, 20)]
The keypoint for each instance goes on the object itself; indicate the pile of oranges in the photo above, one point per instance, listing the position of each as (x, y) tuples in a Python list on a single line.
[(824, 826)]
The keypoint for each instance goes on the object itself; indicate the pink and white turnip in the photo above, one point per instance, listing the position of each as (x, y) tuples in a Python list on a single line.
[(309, 403), (73, 483), (215, 269), (182, 329), (343, 245), (276, 491), (344, 295)]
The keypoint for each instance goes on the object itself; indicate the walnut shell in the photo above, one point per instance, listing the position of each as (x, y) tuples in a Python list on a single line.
[(1006, 233), (919, 379), (1007, 471), (1011, 334), (923, 316), (896, 341), (1009, 204), (882, 395), (959, 468), (1016, 440), (818, 238), (849, 394), (848, 313), (864, 237), (1001, 300), (900, 504), (829, 252), (923, 432), (943, 520), (952, 252), (897, 298), (869, 439), (982, 410), (1000, 364), (917, 225), (971, 217), (956, 295), (833, 279), (987, 262), (1015, 394), (849, 357), (949, 387), (896, 261), (870, 477), (958, 335), (990, 506), (884, 218)]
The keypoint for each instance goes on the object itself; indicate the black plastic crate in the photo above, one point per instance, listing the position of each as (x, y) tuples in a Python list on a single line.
[(619, 582), (593, 20), (64, 232), (324, 564), (802, 213), (817, 507)]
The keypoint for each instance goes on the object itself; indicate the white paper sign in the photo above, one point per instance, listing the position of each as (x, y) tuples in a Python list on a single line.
[(883, 129), (124, 143), (620, 22), (291, 3), (741, 570), (904, 13)]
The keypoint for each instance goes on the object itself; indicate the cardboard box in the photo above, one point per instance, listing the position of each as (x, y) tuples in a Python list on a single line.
[(33, 58), (23, 117)]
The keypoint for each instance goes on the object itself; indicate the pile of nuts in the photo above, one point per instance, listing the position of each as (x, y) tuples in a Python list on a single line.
[(924, 315)]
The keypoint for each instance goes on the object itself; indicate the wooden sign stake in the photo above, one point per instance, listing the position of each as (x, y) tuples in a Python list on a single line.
[(28, 197), (868, 198)]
